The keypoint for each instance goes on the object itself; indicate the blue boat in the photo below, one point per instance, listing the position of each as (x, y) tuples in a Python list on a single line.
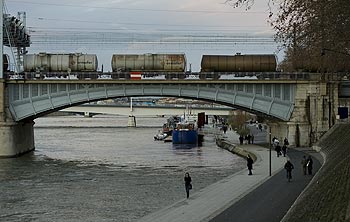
[(185, 133)]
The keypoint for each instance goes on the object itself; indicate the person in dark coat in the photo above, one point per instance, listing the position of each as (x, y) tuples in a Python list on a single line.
[(241, 139), (278, 150), (250, 162), (284, 150), (309, 164), (224, 128), (289, 167), (188, 185)]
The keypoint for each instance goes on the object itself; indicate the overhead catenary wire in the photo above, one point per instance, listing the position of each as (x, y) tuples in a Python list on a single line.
[(139, 9)]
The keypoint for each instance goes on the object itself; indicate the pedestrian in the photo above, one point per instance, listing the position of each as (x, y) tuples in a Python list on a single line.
[(278, 150), (303, 164), (241, 140), (188, 184), (252, 138), (250, 162), (273, 139), (224, 128), (284, 150), (285, 141), (275, 142), (289, 167), (309, 165), (249, 138)]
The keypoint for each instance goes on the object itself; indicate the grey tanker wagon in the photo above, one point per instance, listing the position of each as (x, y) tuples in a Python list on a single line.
[(149, 62), (76, 62)]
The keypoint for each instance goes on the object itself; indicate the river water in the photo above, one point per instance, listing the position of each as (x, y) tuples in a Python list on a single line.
[(96, 169)]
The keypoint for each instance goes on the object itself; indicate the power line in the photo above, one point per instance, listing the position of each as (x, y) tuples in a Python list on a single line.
[(145, 24), (139, 9)]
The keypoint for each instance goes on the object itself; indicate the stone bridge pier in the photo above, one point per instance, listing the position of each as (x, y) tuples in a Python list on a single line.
[(314, 113), (16, 138)]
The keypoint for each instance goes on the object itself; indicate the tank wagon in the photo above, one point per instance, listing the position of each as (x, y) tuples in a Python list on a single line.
[(149, 65), (139, 66), (237, 63), (45, 62)]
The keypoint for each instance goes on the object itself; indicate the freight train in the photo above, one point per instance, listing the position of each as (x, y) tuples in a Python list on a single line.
[(137, 66)]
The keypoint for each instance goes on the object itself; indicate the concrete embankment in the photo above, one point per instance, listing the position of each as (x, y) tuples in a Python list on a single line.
[(327, 198), (222, 143)]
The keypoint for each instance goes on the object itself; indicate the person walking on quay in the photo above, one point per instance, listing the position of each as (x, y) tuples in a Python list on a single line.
[(284, 150), (278, 150), (285, 141), (289, 167), (309, 165), (188, 185), (250, 162), (241, 140), (303, 164)]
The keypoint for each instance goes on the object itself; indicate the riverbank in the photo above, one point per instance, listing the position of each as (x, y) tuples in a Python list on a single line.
[(327, 198)]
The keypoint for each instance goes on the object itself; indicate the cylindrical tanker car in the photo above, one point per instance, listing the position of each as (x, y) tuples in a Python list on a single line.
[(239, 63), (148, 65), (139, 66), (149, 62), (76, 62)]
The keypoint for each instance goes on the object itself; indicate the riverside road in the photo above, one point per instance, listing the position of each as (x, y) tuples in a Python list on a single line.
[(271, 200)]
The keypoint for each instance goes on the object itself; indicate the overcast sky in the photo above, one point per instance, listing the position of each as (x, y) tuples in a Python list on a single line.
[(104, 27)]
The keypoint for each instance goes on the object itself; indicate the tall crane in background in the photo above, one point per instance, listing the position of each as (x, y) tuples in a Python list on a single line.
[(15, 36)]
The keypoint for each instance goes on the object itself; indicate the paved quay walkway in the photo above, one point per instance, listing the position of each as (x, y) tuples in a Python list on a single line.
[(272, 199), (206, 204)]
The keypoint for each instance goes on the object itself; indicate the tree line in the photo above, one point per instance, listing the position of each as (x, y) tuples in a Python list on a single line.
[(315, 34)]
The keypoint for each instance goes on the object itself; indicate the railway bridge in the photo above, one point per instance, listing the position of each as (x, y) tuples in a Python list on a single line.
[(301, 109)]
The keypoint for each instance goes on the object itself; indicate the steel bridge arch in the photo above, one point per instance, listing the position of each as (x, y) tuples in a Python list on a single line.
[(32, 99)]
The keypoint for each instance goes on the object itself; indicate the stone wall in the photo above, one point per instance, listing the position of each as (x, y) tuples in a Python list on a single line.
[(315, 110)]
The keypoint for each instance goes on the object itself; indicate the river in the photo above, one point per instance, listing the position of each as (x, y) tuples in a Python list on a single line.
[(96, 169)]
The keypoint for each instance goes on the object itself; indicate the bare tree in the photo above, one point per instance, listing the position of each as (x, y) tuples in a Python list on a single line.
[(238, 3), (237, 120), (314, 33)]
